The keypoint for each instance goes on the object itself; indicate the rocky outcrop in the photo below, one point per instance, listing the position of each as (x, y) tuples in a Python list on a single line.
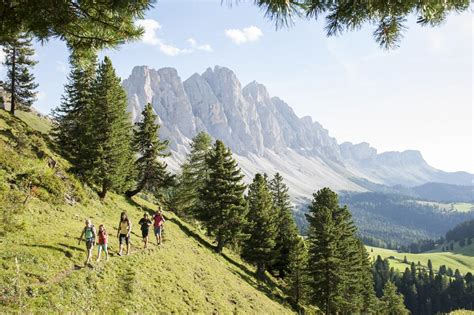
[(265, 133)]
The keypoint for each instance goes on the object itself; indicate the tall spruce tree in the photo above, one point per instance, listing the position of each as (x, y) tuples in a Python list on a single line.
[(335, 263), (72, 118), (193, 173), (287, 231), (109, 162), (392, 302), (222, 201), (20, 82), (259, 248), (297, 278), (151, 170)]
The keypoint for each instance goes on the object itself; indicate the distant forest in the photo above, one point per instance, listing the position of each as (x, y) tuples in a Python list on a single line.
[(392, 220)]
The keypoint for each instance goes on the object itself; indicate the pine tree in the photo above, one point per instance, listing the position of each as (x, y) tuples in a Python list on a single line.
[(72, 118), (223, 205), (335, 263), (20, 82), (194, 172), (287, 232), (151, 170), (392, 302), (259, 248), (297, 278), (109, 162)]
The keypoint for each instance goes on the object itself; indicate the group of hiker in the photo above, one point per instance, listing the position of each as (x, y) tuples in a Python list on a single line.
[(90, 234)]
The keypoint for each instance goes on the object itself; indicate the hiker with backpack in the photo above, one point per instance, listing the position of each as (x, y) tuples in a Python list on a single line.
[(89, 233), (102, 244), (145, 224), (123, 233), (159, 220)]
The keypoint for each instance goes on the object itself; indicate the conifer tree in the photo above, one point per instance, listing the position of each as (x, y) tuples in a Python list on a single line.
[(194, 172), (20, 82), (109, 162), (259, 248), (223, 205), (298, 277), (335, 263), (392, 302), (151, 170), (72, 118), (287, 231)]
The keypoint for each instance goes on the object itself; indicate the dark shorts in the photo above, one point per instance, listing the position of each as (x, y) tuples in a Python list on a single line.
[(123, 238), (145, 232), (89, 243), (158, 230)]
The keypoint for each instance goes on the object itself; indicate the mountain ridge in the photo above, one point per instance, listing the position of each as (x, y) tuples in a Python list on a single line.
[(266, 135)]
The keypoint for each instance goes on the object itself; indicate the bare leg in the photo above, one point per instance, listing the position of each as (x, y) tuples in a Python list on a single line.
[(107, 254), (98, 255), (128, 246), (89, 255)]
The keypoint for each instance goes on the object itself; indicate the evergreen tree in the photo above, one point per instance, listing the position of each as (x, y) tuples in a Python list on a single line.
[(194, 172), (72, 119), (109, 160), (392, 302), (20, 82), (151, 170), (222, 202), (335, 263), (297, 277), (287, 231), (259, 248)]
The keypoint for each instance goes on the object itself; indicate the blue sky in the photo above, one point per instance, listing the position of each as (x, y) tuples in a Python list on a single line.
[(416, 97)]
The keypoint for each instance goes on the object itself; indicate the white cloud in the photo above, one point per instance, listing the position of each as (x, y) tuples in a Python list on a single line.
[(150, 27), (244, 35), (151, 37), (171, 50), (194, 45)]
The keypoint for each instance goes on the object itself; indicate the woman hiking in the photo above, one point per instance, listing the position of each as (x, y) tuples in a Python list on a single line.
[(89, 233), (145, 223), (159, 220), (123, 233)]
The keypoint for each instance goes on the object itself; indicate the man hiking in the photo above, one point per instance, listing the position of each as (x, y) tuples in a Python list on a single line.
[(158, 220), (145, 224)]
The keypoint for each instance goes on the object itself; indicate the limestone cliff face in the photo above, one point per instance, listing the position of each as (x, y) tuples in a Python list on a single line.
[(265, 133)]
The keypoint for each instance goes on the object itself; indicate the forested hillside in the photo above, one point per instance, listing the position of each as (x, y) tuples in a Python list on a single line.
[(43, 209), (391, 220)]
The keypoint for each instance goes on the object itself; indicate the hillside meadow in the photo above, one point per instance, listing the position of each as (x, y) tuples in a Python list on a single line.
[(43, 265)]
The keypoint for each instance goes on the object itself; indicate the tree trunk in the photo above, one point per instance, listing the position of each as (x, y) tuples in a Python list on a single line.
[(135, 191), (103, 192), (12, 87), (220, 244), (260, 271)]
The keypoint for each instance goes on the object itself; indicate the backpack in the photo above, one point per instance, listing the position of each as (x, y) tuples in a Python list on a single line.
[(89, 232)]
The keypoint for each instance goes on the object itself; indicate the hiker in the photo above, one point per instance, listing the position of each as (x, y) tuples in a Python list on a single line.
[(89, 234), (145, 223), (123, 233), (102, 244), (158, 225)]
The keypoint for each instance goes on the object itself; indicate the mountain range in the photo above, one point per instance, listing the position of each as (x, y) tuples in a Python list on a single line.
[(266, 135)]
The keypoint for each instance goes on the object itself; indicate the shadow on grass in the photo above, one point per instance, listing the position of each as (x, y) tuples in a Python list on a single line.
[(132, 202), (264, 285), (66, 252)]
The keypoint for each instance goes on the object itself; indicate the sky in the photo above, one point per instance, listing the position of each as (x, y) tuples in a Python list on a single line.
[(418, 96)]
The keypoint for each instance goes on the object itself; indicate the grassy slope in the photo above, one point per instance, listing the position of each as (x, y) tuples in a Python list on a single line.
[(184, 275), (455, 206), (459, 261)]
